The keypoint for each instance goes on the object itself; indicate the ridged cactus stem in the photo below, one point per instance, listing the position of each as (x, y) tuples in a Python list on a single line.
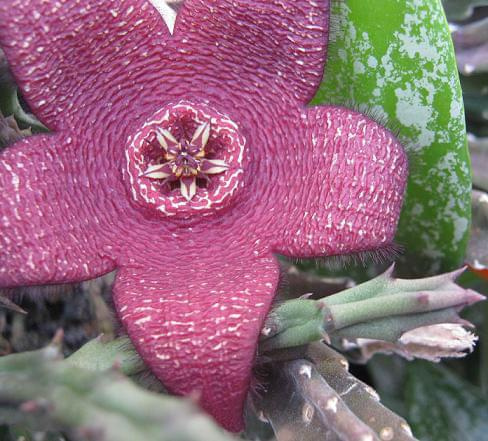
[(95, 402), (383, 308)]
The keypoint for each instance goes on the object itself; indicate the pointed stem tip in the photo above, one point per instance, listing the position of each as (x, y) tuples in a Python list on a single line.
[(383, 308)]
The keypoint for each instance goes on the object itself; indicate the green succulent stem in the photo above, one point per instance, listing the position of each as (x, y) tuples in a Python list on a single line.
[(383, 308), (392, 328), (100, 355), (87, 397)]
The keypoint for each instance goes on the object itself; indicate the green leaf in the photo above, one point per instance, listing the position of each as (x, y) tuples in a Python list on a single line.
[(396, 59), (443, 407)]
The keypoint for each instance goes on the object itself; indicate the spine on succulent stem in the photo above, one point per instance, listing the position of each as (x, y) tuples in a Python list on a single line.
[(383, 308)]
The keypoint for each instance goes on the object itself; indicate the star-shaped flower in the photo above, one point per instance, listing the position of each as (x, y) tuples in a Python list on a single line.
[(185, 160), (196, 275)]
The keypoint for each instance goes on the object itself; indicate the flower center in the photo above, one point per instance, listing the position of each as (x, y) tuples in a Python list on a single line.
[(187, 159), (184, 159)]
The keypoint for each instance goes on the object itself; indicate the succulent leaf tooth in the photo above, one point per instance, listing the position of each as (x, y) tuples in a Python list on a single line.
[(213, 166), (201, 135), (157, 175), (166, 139), (158, 171), (188, 187)]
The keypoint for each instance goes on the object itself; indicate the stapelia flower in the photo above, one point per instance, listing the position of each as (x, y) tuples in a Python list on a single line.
[(196, 275)]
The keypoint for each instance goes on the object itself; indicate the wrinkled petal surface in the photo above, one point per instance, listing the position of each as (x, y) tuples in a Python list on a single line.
[(50, 230), (351, 173), (75, 60), (195, 316), (272, 48)]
